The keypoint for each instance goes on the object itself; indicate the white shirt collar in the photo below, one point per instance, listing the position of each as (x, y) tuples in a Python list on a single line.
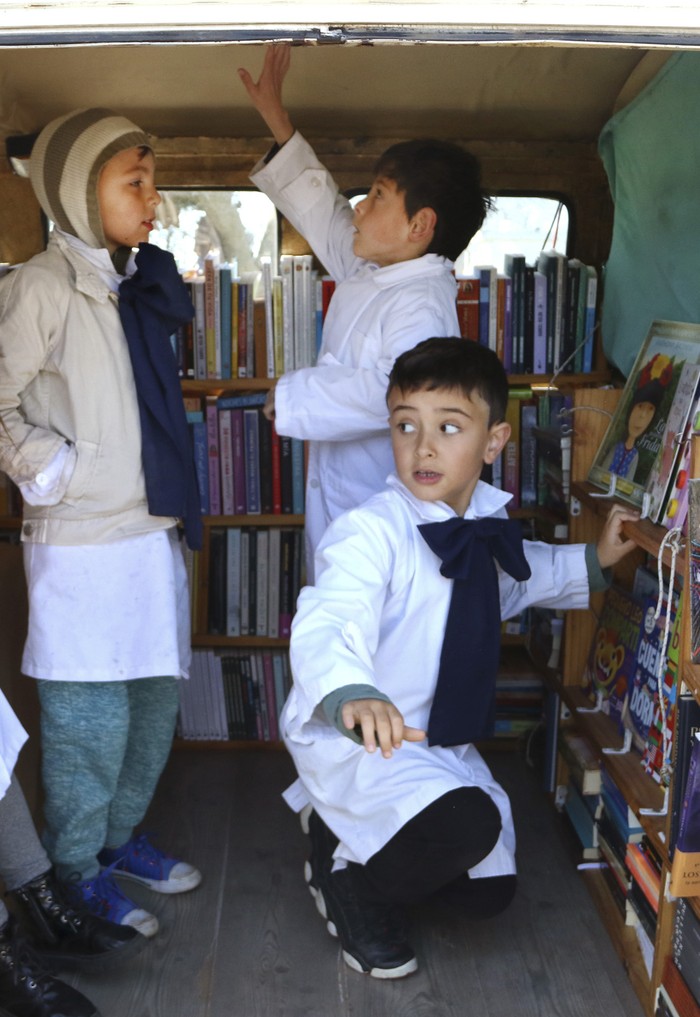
[(486, 501), (99, 259)]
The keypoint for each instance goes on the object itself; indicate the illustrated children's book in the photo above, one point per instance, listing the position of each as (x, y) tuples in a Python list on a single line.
[(647, 675), (633, 445), (610, 665)]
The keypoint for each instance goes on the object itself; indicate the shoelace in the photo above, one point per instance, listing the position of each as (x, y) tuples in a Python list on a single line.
[(140, 847)]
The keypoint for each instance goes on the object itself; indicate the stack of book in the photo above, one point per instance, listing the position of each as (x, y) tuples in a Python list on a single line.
[(519, 697), (243, 466), (234, 695), (618, 827), (538, 318), (686, 946), (673, 997), (255, 575), (582, 799), (236, 335)]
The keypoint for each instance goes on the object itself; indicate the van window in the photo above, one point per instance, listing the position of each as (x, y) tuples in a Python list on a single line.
[(517, 224), (238, 227)]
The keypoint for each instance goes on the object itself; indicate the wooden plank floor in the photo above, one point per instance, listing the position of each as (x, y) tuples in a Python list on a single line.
[(250, 943)]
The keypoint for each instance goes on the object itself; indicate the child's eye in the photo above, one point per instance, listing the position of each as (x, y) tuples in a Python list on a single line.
[(450, 428), (406, 428)]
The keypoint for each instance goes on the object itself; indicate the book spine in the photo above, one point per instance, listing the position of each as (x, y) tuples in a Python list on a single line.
[(252, 461), (269, 320), (233, 581), (212, 419), (226, 462)]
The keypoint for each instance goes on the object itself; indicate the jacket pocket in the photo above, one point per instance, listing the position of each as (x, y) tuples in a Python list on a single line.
[(84, 472)]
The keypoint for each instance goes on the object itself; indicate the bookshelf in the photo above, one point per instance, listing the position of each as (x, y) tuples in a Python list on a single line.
[(643, 795), (216, 644)]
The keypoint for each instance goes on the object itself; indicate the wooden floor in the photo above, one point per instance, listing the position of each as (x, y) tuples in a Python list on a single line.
[(250, 943)]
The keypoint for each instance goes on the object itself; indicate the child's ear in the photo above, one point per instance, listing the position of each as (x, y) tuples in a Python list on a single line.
[(422, 226), (498, 436)]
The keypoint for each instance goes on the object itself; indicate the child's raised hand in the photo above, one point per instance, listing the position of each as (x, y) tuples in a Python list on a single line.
[(266, 92), (380, 722), (612, 544)]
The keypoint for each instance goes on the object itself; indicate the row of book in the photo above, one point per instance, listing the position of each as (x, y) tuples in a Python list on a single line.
[(612, 838), (255, 574), (642, 692), (674, 997), (538, 318), (243, 466), (234, 695), (519, 696), (235, 335), (535, 465)]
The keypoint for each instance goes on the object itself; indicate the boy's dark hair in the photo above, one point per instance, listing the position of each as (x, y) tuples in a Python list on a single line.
[(453, 363), (442, 176)]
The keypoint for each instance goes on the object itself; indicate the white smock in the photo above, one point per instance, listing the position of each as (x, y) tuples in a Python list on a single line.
[(12, 738), (104, 612), (376, 616), (108, 612), (375, 314)]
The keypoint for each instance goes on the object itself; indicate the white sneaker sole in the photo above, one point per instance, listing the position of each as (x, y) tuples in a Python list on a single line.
[(182, 885), (143, 921), (382, 973)]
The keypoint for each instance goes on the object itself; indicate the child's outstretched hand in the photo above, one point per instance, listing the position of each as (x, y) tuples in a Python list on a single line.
[(379, 722), (612, 544), (266, 92)]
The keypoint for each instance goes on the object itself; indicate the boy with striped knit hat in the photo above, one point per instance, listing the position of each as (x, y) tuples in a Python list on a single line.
[(94, 434)]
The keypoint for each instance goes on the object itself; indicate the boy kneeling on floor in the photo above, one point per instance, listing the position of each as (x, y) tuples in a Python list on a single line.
[(394, 654)]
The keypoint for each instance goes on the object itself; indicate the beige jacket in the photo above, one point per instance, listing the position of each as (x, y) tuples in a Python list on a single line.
[(65, 376)]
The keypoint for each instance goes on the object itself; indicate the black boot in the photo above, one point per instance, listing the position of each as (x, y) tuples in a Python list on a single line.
[(26, 988), (65, 934)]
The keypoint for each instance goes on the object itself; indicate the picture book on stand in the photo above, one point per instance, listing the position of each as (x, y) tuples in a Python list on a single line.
[(632, 447), (647, 671), (613, 651)]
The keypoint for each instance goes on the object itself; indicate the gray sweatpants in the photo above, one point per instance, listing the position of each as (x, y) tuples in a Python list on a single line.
[(22, 856)]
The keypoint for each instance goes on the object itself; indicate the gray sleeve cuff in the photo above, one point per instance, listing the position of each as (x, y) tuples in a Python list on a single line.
[(598, 579), (334, 702)]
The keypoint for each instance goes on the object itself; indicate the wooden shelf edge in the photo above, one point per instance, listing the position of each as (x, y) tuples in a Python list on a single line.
[(239, 642), (623, 936), (251, 520), (227, 745), (220, 386), (639, 789), (647, 535)]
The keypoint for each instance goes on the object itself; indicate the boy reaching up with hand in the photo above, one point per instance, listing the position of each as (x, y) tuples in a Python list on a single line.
[(392, 260), (394, 655)]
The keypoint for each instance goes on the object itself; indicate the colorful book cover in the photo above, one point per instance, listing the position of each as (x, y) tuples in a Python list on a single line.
[(613, 651), (648, 670), (656, 757), (662, 469)]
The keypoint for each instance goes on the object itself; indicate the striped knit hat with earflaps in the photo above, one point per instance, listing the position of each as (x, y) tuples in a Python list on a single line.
[(65, 166)]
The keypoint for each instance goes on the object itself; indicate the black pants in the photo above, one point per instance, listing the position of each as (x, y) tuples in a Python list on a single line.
[(433, 852)]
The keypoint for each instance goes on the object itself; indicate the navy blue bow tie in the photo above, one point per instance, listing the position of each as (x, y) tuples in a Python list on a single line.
[(463, 708)]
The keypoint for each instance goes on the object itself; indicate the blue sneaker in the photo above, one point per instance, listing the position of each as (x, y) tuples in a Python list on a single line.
[(140, 861), (101, 896)]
